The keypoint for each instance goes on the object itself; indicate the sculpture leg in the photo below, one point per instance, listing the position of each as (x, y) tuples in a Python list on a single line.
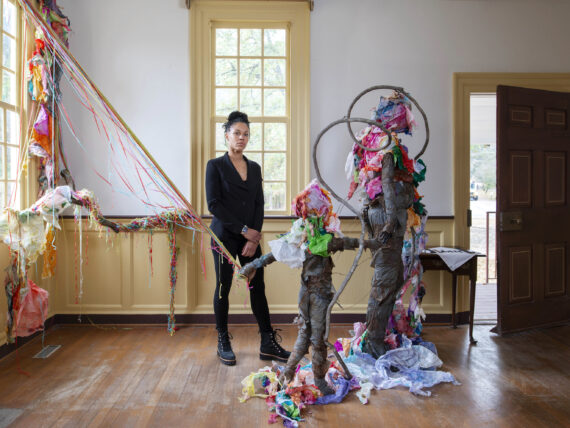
[(303, 337), (318, 310), (386, 283)]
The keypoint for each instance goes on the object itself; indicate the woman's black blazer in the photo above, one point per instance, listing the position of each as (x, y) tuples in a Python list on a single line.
[(234, 203)]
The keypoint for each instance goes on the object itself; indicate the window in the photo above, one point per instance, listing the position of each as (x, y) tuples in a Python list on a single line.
[(250, 69), (9, 114), (252, 57)]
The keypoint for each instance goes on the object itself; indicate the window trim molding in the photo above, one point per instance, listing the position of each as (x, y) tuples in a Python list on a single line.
[(203, 12)]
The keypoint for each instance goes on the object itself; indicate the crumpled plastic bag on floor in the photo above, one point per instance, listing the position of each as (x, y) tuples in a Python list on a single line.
[(262, 383), (412, 366), (415, 366)]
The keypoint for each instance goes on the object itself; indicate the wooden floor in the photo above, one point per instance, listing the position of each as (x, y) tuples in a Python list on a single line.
[(140, 376)]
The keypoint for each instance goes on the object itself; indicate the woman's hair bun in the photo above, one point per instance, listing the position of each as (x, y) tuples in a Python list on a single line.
[(235, 117)]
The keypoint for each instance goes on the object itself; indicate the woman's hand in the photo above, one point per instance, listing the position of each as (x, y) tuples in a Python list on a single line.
[(252, 235), (249, 249)]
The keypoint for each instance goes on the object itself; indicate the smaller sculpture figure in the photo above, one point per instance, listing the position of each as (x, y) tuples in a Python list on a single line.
[(309, 244)]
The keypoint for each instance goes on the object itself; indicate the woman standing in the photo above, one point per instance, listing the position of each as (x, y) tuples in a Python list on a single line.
[(235, 198)]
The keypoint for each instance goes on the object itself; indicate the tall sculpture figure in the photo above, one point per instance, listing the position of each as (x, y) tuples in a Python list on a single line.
[(387, 217), (387, 177)]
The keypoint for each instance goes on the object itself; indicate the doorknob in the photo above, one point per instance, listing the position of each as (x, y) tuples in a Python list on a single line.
[(510, 221)]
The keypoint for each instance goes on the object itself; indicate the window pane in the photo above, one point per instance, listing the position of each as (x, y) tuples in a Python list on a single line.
[(250, 42), (254, 156), (12, 162), (274, 42), (2, 124), (2, 195), (12, 199), (9, 52), (250, 101), (274, 102), (275, 136), (226, 101), (226, 72), (218, 154), (250, 72), (226, 41), (274, 196), (8, 87), (220, 137), (9, 18), (2, 162), (274, 166), (12, 128), (274, 72), (254, 136)]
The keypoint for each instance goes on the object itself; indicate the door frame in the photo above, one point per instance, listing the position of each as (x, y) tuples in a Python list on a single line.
[(465, 84)]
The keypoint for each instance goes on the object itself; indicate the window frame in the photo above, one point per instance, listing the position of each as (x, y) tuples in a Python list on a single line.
[(261, 118), (204, 16), (17, 108)]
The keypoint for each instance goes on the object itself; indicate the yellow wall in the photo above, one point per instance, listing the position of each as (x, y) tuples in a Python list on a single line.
[(4, 260), (117, 274)]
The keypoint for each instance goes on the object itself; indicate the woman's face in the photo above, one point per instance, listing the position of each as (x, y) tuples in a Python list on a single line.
[(238, 137)]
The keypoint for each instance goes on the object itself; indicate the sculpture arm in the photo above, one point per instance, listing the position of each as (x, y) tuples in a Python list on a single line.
[(251, 267), (341, 244)]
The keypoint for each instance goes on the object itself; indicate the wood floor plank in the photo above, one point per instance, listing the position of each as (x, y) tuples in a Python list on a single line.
[(142, 377)]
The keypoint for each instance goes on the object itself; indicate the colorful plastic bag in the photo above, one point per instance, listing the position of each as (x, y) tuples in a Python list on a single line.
[(32, 312)]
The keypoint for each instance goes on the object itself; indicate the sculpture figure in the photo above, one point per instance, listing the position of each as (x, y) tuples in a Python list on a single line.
[(309, 244), (388, 177)]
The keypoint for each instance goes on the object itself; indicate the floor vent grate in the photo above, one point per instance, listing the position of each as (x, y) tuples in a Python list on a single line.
[(47, 351)]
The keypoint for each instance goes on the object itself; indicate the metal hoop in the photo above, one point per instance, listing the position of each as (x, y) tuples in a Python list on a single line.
[(316, 164), (401, 91)]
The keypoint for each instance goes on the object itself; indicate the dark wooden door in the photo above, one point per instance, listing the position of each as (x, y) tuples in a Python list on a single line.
[(533, 161)]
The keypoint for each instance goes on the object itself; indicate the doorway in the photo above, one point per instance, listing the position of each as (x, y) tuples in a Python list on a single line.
[(482, 201), (465, 84)]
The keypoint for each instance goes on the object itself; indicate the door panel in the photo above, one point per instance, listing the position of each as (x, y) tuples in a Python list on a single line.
[(555, 270), (555, 184), (521, 174), (533, 143), (521, 274)]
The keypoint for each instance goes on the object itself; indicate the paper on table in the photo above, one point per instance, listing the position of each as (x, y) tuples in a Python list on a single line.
[(452, 257)]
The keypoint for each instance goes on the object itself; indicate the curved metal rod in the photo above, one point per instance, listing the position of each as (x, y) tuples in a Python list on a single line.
[(401, 91), (316, 165), (378, 125)]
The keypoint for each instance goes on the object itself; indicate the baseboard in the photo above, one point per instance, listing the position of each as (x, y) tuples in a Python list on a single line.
[(339, 318), (183, 319)]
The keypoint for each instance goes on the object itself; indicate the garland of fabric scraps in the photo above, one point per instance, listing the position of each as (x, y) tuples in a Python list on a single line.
[(24, 231)]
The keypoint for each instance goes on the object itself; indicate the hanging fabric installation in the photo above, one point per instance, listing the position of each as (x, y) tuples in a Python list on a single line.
[(130, 171)]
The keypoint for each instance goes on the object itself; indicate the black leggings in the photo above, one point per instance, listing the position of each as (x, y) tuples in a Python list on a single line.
[(224, 274)]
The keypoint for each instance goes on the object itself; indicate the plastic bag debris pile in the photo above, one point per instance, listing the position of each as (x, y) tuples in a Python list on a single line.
[(414, 365)]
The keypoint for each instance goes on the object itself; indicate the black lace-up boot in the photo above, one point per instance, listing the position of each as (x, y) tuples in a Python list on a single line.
[(225, 353), (270, 348)]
